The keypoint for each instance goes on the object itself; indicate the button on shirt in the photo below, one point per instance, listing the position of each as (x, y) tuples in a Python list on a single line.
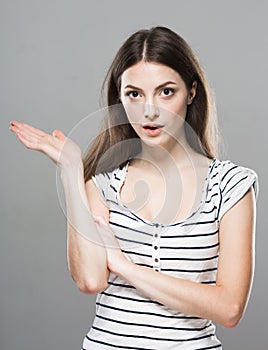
[(188, 249)]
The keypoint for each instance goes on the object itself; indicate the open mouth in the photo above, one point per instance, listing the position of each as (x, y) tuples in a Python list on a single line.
[(152, 129)]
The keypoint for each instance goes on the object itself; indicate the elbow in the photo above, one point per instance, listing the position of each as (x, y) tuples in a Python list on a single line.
[(232, 316), (92, 286)]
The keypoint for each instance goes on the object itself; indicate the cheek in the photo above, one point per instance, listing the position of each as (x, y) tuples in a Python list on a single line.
[(134, 111), (179, 108)]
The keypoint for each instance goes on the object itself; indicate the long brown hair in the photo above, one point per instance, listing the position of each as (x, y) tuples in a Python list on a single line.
[(158, 45)]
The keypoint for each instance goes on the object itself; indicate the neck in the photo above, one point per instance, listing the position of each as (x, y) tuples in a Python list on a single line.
[(176, 152)]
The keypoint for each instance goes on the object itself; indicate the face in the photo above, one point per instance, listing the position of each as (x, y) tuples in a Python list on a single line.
[(155, 99)]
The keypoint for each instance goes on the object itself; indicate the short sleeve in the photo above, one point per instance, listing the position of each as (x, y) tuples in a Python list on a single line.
[(235, 181), (109, 183), (102, 181)]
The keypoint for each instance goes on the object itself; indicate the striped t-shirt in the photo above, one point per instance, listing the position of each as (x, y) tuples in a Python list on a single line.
[(188, 249)]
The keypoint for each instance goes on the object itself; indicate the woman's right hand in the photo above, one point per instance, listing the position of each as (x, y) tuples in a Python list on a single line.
[(60, 149)]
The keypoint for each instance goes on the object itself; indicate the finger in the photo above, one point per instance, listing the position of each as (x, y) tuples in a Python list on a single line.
[(59, 134), (107, 235), (34, 138), (39, 139), (100, 219), (26, 127), (36, 142), (37, 145), (28, 141), (27, 132), (96, 219)]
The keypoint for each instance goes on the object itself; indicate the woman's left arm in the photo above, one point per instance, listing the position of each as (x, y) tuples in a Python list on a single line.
[(224, 302)]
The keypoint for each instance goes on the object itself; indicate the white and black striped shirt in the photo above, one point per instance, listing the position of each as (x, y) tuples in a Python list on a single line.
[(188, 249)]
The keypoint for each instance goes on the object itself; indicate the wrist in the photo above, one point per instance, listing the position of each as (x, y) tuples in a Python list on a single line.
[(72, 171), (123, 267)]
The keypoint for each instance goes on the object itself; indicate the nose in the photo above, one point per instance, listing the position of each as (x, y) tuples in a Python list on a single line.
[(151, 111)]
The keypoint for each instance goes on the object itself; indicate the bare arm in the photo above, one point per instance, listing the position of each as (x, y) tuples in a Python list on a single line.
[(85, 251), (223, 303), (86, 255)]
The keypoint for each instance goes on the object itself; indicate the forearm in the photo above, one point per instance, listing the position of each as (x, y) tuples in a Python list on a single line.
[(206, 301), (85, 251)]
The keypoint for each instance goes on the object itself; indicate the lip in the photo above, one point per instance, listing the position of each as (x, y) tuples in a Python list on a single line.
[(152, 129)]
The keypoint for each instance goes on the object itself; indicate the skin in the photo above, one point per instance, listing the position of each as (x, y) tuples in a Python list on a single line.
[(149, 103), (156, 94), (86, 253), (223, 303)]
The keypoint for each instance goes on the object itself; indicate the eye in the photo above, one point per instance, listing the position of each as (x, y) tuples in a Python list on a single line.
[(132, 94), (168, 91)]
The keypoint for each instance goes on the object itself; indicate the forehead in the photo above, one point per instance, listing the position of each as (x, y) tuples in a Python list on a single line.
[(148, 72)]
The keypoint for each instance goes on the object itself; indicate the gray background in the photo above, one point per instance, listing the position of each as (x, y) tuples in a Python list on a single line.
[(54, 55)]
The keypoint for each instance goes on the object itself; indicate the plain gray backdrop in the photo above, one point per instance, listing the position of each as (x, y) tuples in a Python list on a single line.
[(54, 56)]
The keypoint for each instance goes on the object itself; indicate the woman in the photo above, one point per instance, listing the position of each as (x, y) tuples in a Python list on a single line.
[(159, 227)]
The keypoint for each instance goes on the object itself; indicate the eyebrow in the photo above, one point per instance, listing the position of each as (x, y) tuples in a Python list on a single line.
[(158, 87)]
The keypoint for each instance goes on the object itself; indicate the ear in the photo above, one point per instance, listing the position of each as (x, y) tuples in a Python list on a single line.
[(119, 97), (192, 93)]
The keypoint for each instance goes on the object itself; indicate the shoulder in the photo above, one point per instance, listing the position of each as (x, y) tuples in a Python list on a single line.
[(233, 175), (108, 183), (234, 182)]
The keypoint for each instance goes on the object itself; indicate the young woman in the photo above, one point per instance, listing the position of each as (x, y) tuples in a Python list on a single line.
[(158, 226)]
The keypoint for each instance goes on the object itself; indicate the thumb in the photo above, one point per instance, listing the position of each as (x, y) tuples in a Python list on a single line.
[(99, 220), (59, 134)]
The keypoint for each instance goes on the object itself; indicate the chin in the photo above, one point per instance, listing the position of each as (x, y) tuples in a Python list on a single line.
[(155, 141)]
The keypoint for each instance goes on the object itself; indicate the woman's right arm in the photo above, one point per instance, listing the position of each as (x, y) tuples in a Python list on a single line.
[(86, 253)]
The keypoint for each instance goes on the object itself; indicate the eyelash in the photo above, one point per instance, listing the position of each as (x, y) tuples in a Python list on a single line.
[(170, 89)]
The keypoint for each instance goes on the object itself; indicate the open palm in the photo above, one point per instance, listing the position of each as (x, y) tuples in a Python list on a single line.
[(59, 148)]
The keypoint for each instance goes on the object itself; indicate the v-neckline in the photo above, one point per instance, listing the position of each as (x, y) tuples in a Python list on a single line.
[(153, 223)]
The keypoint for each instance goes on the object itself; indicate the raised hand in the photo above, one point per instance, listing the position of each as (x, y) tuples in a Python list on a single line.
[(59, 148)]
